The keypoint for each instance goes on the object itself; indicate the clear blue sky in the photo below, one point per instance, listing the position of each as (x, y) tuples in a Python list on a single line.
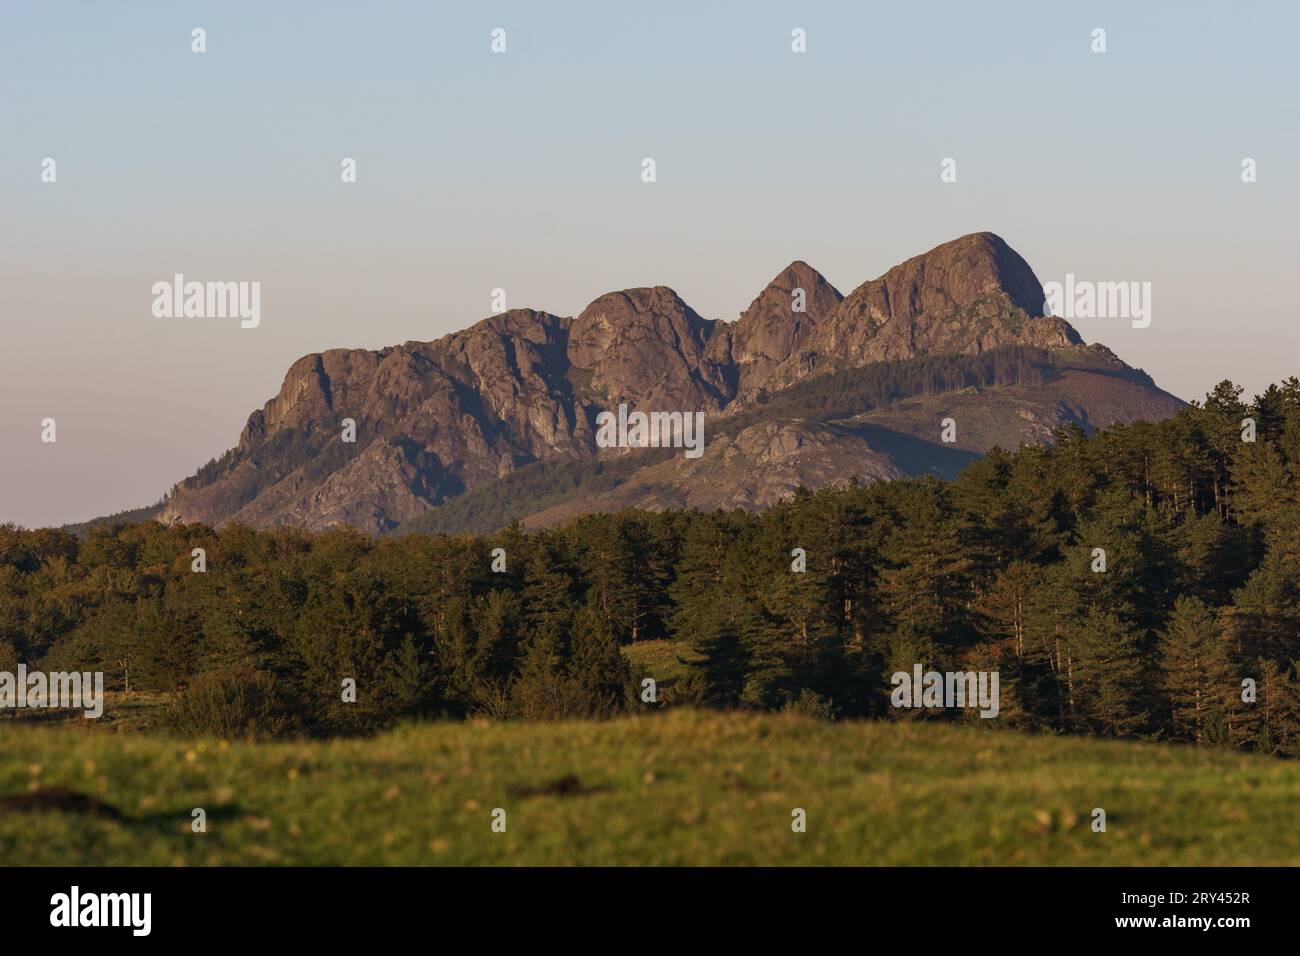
[(521, 171)]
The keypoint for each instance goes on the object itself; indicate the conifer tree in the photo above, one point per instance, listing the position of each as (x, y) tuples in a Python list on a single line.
[(1196, 670), (927, 581), (599, 669), (543, 690), (1109, 679), (1273, 720)]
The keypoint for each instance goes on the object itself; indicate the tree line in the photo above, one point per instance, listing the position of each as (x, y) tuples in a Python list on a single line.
[(1191, 632)]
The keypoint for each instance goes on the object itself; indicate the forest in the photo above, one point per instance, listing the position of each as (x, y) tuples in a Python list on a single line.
[(1187, 630)]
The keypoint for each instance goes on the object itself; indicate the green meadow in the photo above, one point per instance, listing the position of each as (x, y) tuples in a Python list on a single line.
[(678, 787)]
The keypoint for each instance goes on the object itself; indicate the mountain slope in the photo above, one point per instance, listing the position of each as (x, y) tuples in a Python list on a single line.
[(435, 421)]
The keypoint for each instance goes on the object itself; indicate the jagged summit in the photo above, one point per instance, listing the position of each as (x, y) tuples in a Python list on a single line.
[(647, 346), (436, 420), (777, 324)]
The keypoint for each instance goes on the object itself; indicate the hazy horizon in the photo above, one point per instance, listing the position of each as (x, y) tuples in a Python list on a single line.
[(522, 170)]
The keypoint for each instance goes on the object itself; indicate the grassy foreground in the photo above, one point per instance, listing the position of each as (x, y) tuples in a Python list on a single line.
[(680, 787)]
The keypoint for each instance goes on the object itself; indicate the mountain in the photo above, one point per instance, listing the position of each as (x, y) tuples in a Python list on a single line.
[(807, 387)]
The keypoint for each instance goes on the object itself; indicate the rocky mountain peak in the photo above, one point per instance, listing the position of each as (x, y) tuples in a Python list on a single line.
[(952, 276), (649, 348), (778, 322), (965, 296), (437, 420)]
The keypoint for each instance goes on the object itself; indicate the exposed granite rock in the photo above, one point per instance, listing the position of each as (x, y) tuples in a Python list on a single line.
[(435, 419), (969, 295), (771, 330)]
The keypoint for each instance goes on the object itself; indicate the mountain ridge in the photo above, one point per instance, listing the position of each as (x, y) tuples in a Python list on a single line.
[(434, 420)]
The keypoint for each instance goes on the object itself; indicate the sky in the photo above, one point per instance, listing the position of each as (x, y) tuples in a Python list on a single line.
[(521, 170)]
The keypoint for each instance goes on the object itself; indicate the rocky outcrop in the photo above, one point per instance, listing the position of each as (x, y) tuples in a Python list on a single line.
[(966, 296), (435, 419), (648, 348), (777, 325)]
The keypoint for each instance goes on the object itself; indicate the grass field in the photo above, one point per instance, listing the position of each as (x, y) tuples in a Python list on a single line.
[(680, 787), (668, 661)]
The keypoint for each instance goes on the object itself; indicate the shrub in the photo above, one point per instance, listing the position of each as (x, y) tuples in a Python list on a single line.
[(810, 704), (692, 690), (234, 703)]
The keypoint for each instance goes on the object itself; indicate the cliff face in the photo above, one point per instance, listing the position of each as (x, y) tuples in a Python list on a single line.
[(966, 296), (436, 419), (771, 332)]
